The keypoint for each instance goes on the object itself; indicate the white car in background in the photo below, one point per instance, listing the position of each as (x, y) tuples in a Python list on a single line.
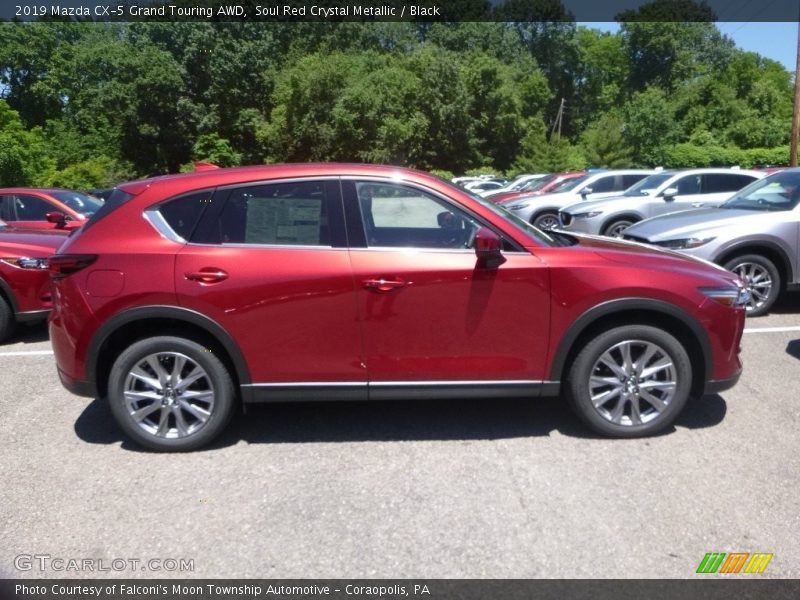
[(542, 210), (664, 192), (514, 185)]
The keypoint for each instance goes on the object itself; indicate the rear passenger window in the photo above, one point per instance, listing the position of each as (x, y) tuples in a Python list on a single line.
[(603, 184), (629, 180), (182, 214), (288, 214), (724, 182)]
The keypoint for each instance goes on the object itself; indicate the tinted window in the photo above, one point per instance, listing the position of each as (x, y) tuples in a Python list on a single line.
[(629, 180), (290, 214), (31, 208), (182, 214), (5, 207), (648, 185), (398, 216), (81, 203), (724, 182), (603, 184), (688, 185)]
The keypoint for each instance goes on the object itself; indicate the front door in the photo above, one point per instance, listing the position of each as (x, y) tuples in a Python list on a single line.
[(431, 315)]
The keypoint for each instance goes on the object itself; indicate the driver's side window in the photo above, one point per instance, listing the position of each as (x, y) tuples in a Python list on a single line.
[(398, 216)]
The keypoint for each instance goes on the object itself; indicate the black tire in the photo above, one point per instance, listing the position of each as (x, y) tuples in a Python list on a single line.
[(546, 220), (210, 395), (652, 417), (7, 322), (615, 228), (751, 268)]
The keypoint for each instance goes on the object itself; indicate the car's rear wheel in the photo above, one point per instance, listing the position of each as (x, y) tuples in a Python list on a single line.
[(617, 228), (7, 322), (762, 279), (170, 393), (546, 220), (630, 381)]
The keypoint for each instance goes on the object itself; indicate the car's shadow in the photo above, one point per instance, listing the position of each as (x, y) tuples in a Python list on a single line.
[(793, 349), (414, 420), (28, 333), (786, 304)]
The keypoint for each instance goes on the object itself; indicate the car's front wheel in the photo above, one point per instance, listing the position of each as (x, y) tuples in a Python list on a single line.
[(170, 393), (546, 220), (630, 381), (762, 279), (617, 228)]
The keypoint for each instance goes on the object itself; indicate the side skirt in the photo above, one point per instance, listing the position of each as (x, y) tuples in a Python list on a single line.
[(396, 390)]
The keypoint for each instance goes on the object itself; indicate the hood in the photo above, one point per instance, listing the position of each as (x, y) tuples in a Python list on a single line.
[(29, 242), (628, 252), (687, 223)]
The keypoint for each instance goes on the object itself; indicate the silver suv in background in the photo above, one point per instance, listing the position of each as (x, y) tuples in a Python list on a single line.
[(665, 192), (754, 234), (542, 210)]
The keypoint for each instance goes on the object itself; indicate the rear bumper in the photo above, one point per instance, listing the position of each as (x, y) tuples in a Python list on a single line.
[(78, 387), (714, 386)]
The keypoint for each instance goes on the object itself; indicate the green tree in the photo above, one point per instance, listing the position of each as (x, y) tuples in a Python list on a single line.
[(603, 143), (23, 152)]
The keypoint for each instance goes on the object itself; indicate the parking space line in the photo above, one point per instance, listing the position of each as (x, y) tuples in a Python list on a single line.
[(27, 353), (771, 329)]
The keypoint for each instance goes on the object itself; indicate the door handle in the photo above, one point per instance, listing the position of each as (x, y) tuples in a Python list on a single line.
[(383, 285), (207, 275)]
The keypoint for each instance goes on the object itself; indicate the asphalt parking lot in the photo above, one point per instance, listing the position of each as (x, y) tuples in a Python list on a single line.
[(476, 489)]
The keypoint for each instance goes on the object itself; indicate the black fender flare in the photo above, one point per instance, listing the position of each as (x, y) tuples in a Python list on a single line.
[(174, 313), (620, 306)]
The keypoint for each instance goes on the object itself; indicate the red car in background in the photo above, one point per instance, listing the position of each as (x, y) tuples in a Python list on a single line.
[(24, 280), (39, 208), (186, 294), (545, 185)]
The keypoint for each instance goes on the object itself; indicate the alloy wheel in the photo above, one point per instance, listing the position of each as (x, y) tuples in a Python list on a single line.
[(758, 282), (169, 395), (632, 383)]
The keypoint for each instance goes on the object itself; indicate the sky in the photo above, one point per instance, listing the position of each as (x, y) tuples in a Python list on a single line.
[(777, 41)]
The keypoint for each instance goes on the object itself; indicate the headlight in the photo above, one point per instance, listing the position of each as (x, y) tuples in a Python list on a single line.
[(23, 262), (587, 215), (519, 206), (684, 244), (727, 296)]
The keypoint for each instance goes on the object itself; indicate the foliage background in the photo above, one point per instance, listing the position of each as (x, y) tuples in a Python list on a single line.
[(90, 104)]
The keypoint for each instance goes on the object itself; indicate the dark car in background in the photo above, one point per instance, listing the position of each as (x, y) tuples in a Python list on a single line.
[(24, 280)]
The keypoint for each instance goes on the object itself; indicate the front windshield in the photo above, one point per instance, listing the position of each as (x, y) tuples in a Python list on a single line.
[(86, 205), (777, 192), (536, 184), (648, 185), (569, 184)]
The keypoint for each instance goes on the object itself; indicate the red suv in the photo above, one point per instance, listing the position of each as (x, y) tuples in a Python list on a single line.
[(187, 293), (24, 283)]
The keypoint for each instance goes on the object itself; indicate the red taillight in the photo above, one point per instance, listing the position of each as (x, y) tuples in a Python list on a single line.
[(62, 265)]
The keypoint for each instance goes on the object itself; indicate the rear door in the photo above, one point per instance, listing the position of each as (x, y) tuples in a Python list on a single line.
[(718, 187), (269, 263)]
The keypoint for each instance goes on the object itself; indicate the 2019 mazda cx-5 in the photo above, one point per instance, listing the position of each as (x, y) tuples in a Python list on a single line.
[(188, 293)]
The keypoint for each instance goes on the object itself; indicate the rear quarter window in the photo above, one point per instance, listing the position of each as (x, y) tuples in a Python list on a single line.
[(182, 214)]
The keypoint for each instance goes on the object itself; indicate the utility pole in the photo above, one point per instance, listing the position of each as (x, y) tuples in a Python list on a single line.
[(796, 113), (557, 122)]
